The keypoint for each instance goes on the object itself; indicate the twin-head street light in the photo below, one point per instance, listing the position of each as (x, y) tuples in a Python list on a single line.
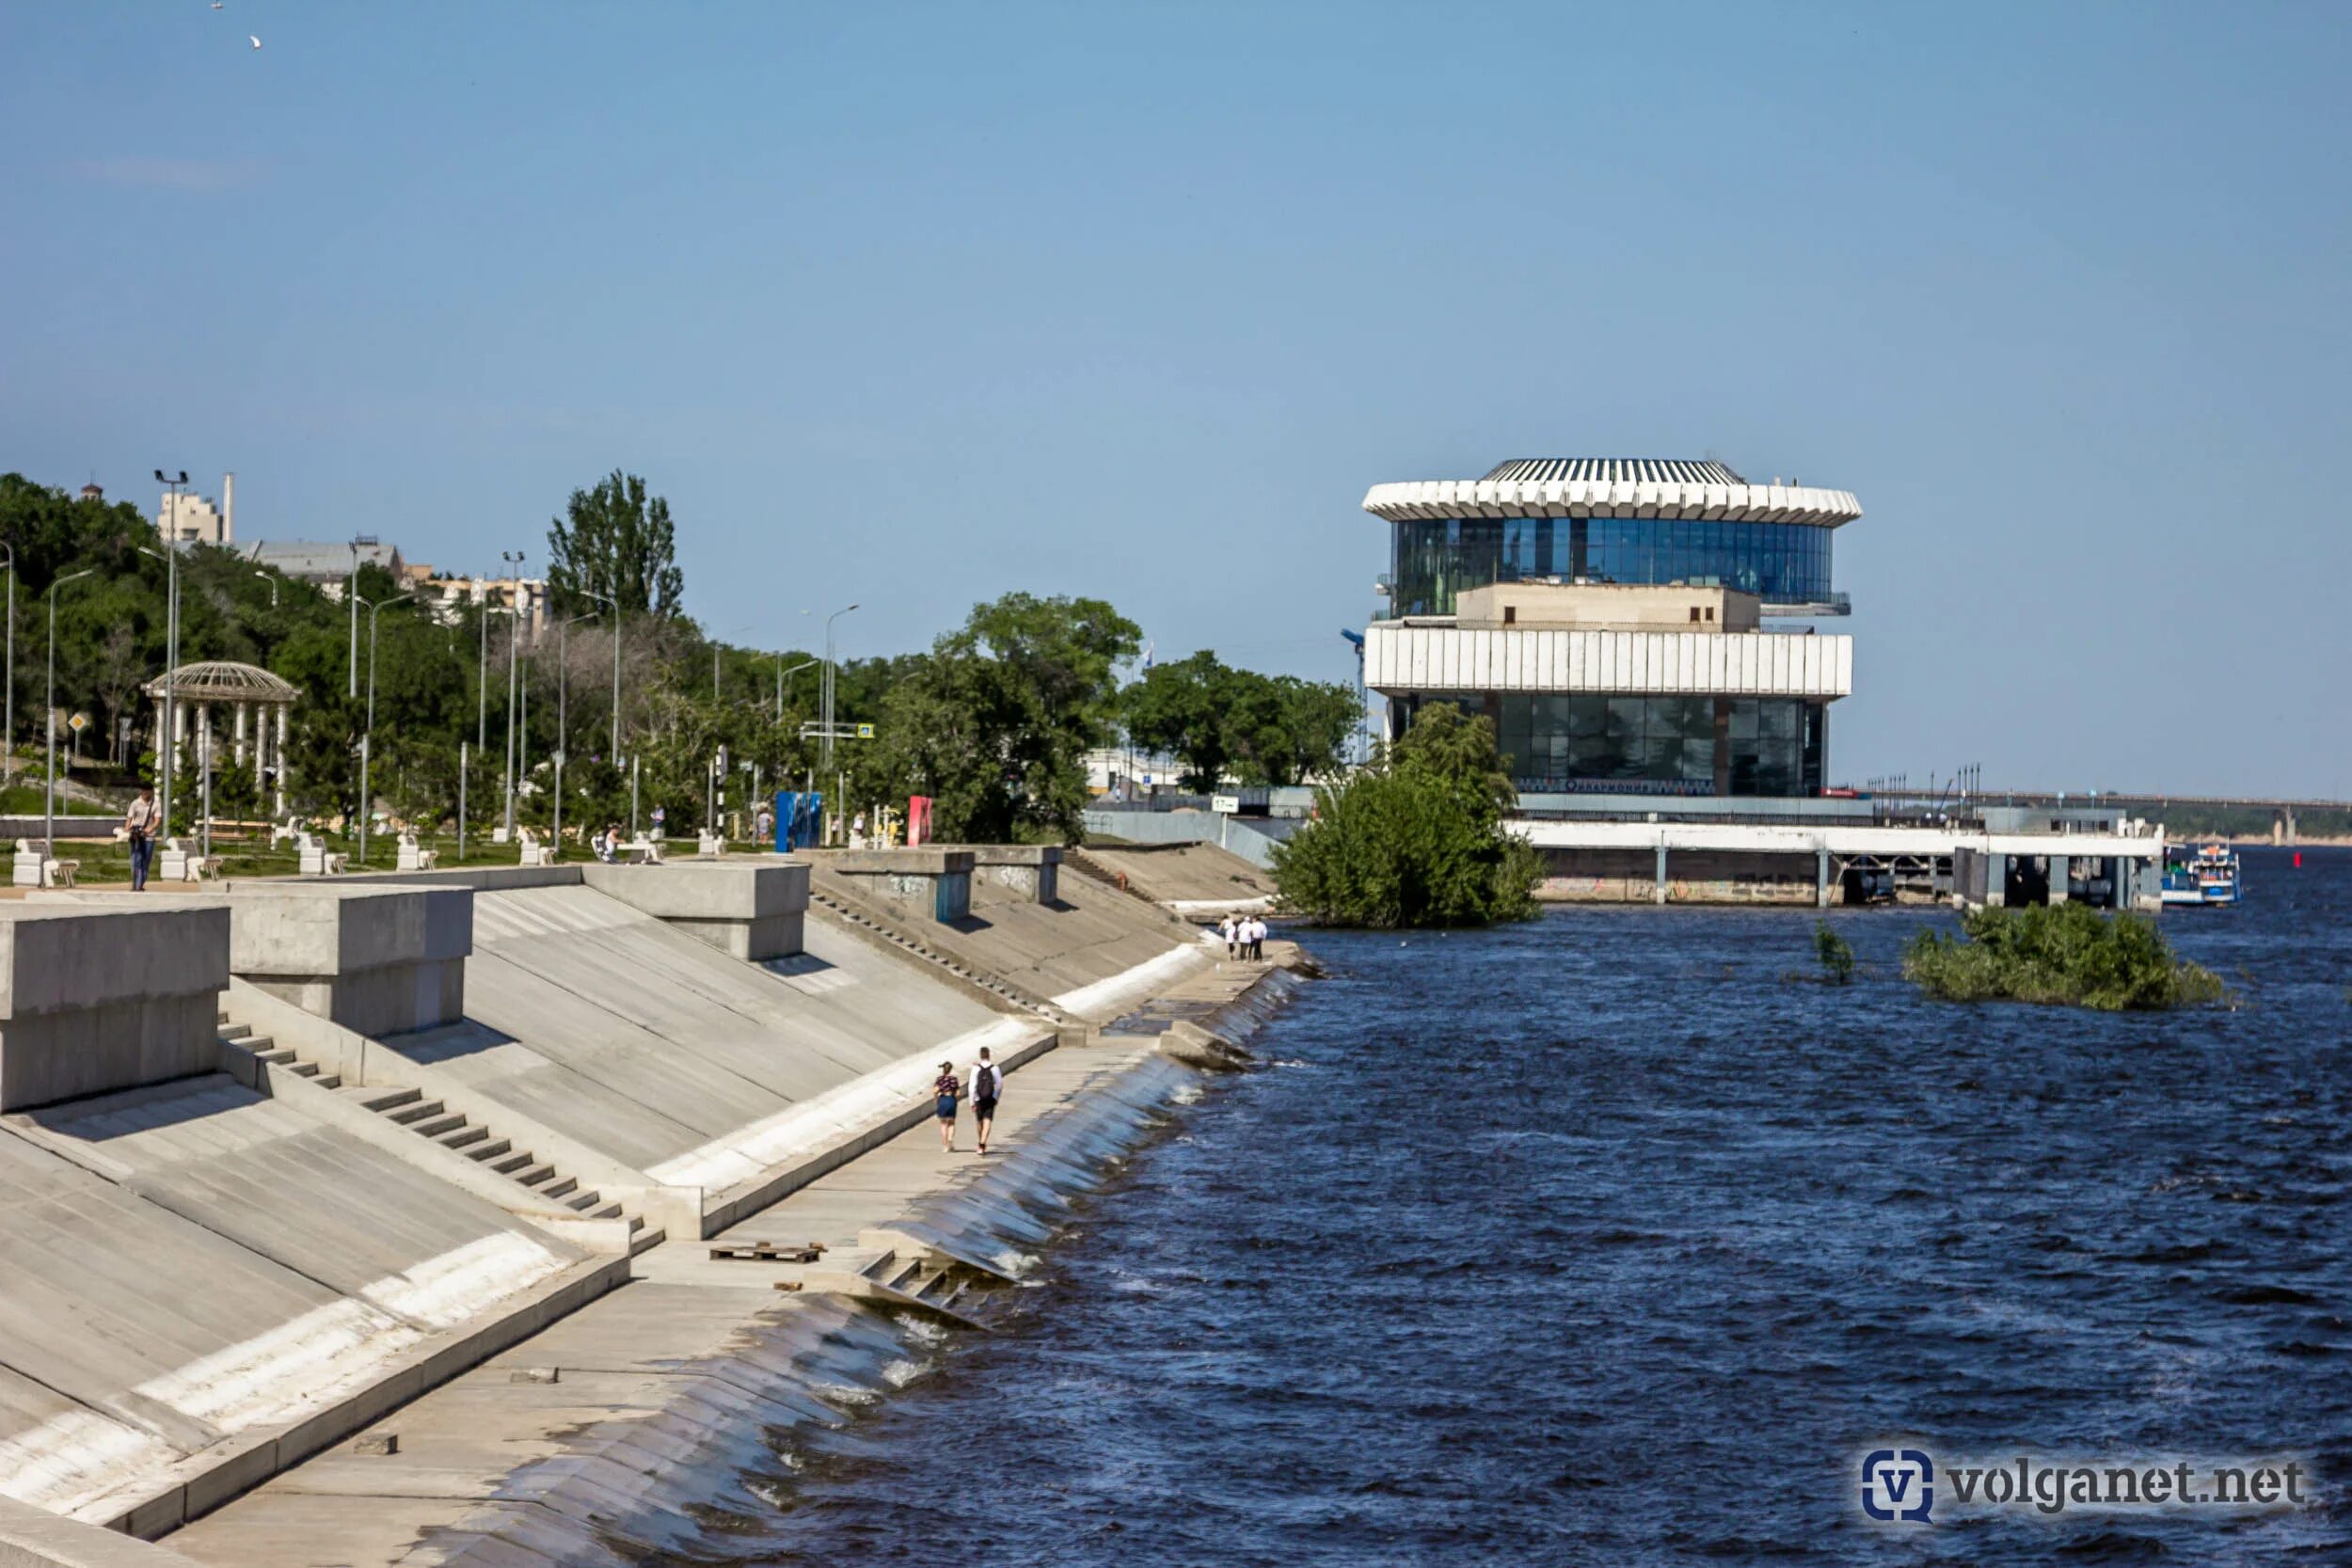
[(781, 674), (831, 668), (49, 790), (8, 725), (367, 736), (167, 752)]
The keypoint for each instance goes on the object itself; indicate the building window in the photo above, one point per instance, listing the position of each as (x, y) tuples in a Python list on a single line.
[(1779, 562)]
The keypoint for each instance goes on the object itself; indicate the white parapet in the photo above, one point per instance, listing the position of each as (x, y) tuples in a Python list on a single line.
[(1404, 656)]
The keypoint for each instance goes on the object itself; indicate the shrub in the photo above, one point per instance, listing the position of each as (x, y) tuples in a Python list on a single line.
[(1834, 953), (2068, 954), (1416, 838)]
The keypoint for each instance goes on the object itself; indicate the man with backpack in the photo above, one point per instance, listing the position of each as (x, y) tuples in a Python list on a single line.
[(987, 1082)]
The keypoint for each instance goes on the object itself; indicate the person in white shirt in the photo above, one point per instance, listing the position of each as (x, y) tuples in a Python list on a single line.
[(1229, 928), (1257, 939), (987, 1081), (138, 826)]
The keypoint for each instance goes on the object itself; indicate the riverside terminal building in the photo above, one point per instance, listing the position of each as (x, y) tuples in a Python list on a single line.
[(1630, 627)]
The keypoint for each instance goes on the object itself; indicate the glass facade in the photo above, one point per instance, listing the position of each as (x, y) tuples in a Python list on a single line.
[(1781, 563), (1571, 742)]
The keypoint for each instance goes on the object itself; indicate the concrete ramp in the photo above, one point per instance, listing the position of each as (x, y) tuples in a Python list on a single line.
[(196, 1274), (1199, 881), (1093, 952), (596, 1019)]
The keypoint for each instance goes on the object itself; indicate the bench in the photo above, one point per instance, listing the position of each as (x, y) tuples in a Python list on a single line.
[(413, 857), (316, 860), (534, 852), (38, 868), (178, 864), (709, 844), (287, 831), (641, 851)]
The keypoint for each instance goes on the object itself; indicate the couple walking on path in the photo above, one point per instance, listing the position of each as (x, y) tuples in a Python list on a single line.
[(1243, 936), (987, 1082)]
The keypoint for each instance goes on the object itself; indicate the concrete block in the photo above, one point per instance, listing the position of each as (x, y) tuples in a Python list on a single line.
[(928, 883), (1033, 870), (94, 998), (753, 909), (33, 1537), (379, 959)]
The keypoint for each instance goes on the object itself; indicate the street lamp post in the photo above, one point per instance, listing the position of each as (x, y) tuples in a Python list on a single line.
[(781, 673), (514, 560), (49, 785), (613, 747), (830, 669), (351, 591), (167, 757), (367, 736), (562, 739), (8, 725)]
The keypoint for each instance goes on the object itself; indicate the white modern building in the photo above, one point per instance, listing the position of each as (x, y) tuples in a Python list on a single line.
[(186, 519), (1644, 635)]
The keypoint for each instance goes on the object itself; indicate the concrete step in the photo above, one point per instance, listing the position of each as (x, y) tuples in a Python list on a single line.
[(432, 1127), (416, 1111), (533, 1175), (383, 1097), (300, 1070), (255, 1043), (580, 1203), (330, 1081), (278, 1058), (464, 1137), (489, 1150), (508, 1164), (559, 1187), (234, 1031)]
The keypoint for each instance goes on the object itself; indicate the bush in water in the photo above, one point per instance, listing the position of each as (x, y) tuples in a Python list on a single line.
[(2066, 953)]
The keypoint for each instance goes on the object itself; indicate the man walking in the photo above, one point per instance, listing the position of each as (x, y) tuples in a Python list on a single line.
[(139, 825), (987, 1083), (1257, 939), (1229, 928)]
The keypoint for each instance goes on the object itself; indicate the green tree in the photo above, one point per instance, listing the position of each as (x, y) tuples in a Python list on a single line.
[(1417, 838), (616, 540), (1179, 708), (994, 725)]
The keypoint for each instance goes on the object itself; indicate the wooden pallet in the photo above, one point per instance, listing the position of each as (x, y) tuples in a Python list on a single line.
[(768, 1252)]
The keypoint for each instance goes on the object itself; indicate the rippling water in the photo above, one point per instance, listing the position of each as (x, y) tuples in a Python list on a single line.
[(1600, 1241)]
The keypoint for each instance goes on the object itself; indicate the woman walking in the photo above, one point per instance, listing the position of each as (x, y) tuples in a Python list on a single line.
[(945, 1092)]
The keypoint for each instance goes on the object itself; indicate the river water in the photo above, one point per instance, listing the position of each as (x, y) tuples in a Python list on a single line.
[(1601, 1240)]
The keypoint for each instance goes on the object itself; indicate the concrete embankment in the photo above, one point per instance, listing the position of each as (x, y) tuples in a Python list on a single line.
[(374, 1133)]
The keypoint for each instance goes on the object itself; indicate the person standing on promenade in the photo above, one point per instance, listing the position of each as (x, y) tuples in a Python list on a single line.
[(660, 824), (944, 1093), (138, 826), (1257, 939), (987, 1083), (1230, 929)]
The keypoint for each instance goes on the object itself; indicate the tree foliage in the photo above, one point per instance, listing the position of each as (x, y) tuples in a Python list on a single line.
[(616, 540), (1216, 720), (1417, 838), (2067, 954), (996, 725)]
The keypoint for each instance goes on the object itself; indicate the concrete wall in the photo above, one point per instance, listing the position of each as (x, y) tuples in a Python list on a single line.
[(378, 959), (754, 908), (1252, 838), (95, 998), (1032, 870), (927, 883)]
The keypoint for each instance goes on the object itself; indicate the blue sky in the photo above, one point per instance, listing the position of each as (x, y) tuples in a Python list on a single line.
[(914, 304)]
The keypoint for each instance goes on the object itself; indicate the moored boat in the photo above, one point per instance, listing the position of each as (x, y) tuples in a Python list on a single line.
[(2203, 874)]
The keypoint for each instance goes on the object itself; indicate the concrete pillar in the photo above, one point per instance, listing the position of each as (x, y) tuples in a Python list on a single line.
[(277, 750), (1996, 878), (237, 751), (1657, 891), (2058, 879), (203, 734), (1820, 879)]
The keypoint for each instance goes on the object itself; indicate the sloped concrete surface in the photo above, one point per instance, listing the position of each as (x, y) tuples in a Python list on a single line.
[(191, 1264), (594, 1019), (1194, 879), (1092, 953), (604, 1440)]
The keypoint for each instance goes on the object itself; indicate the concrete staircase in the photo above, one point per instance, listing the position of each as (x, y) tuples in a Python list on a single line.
[(268, 1050), (935, 1285), (452, 1130), (899, 936), (428, 1118)]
